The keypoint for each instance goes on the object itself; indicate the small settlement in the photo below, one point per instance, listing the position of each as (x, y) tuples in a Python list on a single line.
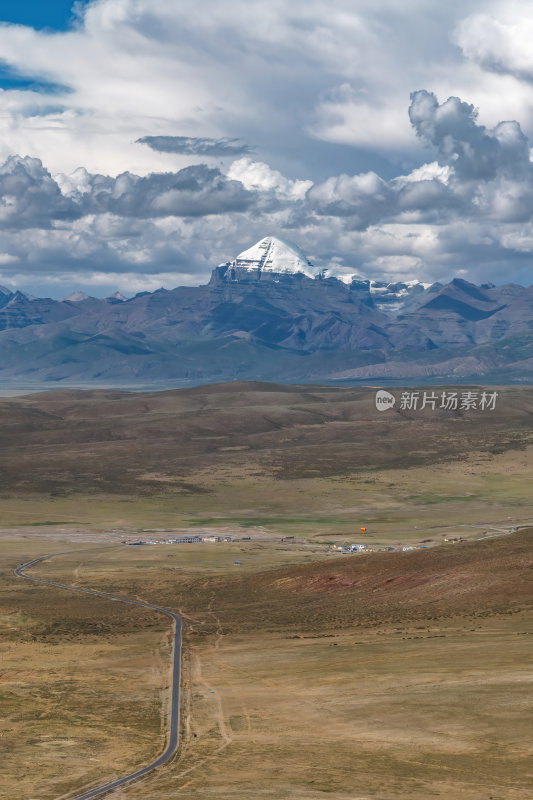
[(190, 539)]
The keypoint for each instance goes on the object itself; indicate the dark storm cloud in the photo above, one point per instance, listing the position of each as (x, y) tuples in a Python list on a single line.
[(195, 146), (30, 197)]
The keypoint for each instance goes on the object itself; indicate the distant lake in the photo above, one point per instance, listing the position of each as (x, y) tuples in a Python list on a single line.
[(18, 389)]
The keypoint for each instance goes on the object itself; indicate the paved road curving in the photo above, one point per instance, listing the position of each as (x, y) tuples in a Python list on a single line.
[(173, 737)]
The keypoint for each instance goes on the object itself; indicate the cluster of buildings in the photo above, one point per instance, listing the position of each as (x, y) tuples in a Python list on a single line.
[(352, 548), (188, 539), (363, 548)]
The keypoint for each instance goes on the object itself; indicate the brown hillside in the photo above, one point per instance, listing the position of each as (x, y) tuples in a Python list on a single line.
[(108, 441), (480, 578)]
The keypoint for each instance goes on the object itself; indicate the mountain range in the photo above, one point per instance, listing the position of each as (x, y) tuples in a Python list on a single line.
[(270, 315)]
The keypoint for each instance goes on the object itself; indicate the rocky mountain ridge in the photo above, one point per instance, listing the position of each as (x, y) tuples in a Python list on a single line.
[(269, 314)]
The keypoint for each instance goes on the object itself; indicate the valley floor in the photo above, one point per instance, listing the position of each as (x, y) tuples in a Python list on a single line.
[(396, 675)]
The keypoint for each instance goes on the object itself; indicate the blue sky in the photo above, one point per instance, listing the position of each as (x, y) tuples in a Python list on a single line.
[(52, 15), (142, 143), (55, 14)]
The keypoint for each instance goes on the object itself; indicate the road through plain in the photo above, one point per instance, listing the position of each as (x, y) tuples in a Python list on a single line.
[(174, 717)]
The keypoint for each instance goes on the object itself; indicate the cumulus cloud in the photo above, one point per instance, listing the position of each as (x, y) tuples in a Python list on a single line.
[(471, 206), (238, 72), (361, 198), (470, 212), (427, 172), (500, 41), (490, 170), (30, 197), (480, 173), (258, 176), (196, 146), (92, 224), (193, 191), (474, 152)]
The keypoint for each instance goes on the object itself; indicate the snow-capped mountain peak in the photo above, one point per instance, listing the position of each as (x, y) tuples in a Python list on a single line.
[(274, 255)]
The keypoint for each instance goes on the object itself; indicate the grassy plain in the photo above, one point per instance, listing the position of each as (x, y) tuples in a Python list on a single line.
[(305, 461), (81, 686), (393, 675)]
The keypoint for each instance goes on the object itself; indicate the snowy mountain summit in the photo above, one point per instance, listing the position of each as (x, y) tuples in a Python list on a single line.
[(274, 260), (259, 314), (270, 255)]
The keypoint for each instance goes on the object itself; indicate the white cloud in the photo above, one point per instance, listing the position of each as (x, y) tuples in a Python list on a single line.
[(8, 258), (127, 282), (397, 267), (136, 68), (440, 216), (275, 77), (427, 172), (256, 175), (519, 238), (501, 40), (343, 115)]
